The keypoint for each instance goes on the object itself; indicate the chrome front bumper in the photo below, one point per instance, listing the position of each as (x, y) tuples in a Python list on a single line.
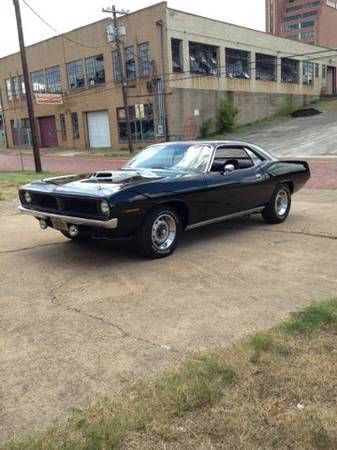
[(110, 224)]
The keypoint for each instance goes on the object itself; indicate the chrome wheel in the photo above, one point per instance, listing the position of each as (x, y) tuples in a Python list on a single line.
[(282, 202), (164, 231)]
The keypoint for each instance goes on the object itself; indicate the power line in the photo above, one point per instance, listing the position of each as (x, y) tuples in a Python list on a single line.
[(62, 35)]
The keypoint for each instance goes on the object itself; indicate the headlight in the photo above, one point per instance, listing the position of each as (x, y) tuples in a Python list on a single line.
[(104, 207), (27, 197)]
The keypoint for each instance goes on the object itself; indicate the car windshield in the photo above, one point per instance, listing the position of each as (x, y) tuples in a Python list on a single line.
[(180, 157)]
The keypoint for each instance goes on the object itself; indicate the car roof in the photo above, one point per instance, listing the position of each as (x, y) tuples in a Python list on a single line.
[(255, 147), (228, 142)]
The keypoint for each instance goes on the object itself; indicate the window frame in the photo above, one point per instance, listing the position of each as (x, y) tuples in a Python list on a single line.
[(44, 89), (208, 49), (180, 66), (229, 53), (75, 125), (92, 64), (54, 84), (130, 62), (116, 67), (76, 73), (144, 64), (63, 126)]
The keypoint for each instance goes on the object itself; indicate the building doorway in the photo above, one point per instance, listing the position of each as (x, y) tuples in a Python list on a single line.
[(99, 129), (48, 134)]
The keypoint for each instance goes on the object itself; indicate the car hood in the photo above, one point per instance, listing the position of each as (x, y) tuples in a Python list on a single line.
[(102, 183)]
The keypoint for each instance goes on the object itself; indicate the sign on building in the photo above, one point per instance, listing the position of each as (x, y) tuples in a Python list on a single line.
[(49, 99)]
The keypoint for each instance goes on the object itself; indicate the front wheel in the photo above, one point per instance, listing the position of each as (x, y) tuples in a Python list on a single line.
[(278, 208), (160, 233)]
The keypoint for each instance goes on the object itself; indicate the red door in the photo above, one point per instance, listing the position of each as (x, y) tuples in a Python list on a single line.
[(48, 131)]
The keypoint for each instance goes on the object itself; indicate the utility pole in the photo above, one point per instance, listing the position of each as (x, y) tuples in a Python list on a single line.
[(117, 41), (36, 151), (2, 112)]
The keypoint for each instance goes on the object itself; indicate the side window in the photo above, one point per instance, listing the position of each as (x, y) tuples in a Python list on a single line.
[(236, 156), (254, 157), (231, 153)]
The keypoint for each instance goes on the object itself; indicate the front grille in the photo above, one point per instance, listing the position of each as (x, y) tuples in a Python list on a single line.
[(71, 206)]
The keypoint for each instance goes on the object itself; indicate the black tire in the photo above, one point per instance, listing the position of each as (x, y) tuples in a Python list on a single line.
[(160, 233), (79, 238), (278, 208)]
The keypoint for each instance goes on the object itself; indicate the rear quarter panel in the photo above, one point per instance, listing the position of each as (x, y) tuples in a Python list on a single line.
[(295, 172)]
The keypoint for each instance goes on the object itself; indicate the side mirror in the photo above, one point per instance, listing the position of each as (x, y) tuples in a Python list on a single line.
[(229, 168)]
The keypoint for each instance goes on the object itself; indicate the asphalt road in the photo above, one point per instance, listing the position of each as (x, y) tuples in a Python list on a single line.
[(80, 321)]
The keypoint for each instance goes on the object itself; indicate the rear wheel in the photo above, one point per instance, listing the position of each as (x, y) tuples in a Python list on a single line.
[(278, 208), (160, 233)]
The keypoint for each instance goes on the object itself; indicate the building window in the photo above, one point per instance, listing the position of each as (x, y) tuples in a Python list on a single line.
[(9, 89), (38, 81), (309, 24), (289, 70), (22, 86), (291, 27), (291, 18), (203, 58), (316, 70), (265, 67), (116, 66), (308, 72), (16, 87), (310, 13), (75, 74), (130, 63), (21, 133), (75, 125), (176, 50), (53, 78), (294, 37), (324, 71), (141, 122), (95, 70), (237, 63), (308, 35), (144, 59), (63, 127)]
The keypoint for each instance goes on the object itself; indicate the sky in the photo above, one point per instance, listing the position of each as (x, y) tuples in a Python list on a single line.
[(65, 15)]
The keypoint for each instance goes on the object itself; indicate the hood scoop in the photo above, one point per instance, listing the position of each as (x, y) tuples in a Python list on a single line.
[(115, 177)]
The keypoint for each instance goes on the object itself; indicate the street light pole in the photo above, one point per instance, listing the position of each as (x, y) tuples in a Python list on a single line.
[(117, 41), (36, 151)]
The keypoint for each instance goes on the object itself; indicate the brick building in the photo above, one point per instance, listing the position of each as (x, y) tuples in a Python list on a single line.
[(312, 21), (178, 67)]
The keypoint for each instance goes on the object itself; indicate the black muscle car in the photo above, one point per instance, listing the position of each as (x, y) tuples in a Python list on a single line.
[(165, 189)]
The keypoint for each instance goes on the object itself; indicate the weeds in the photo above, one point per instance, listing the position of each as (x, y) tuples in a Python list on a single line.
[(222, 399)]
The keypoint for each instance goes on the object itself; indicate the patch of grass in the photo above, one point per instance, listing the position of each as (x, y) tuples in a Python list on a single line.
[(312, 318), (222, 399), (287, 109), (11, 181)]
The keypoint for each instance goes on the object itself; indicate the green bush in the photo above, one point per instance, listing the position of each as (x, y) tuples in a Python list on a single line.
[(206, 128), (226, 115)]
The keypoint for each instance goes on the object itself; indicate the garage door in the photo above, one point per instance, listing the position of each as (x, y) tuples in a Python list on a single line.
[(99, 129)]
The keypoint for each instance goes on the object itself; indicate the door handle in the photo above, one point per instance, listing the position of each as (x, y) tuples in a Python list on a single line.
[(258, 176)]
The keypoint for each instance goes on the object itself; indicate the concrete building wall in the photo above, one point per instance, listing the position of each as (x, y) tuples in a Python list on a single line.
[(189, 98), (141, 27), (196, 98)]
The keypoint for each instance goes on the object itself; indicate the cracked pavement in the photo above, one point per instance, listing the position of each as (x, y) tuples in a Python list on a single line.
[(80, 321)]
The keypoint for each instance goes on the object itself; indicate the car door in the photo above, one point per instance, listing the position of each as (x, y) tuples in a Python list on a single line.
[(239, 190)]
